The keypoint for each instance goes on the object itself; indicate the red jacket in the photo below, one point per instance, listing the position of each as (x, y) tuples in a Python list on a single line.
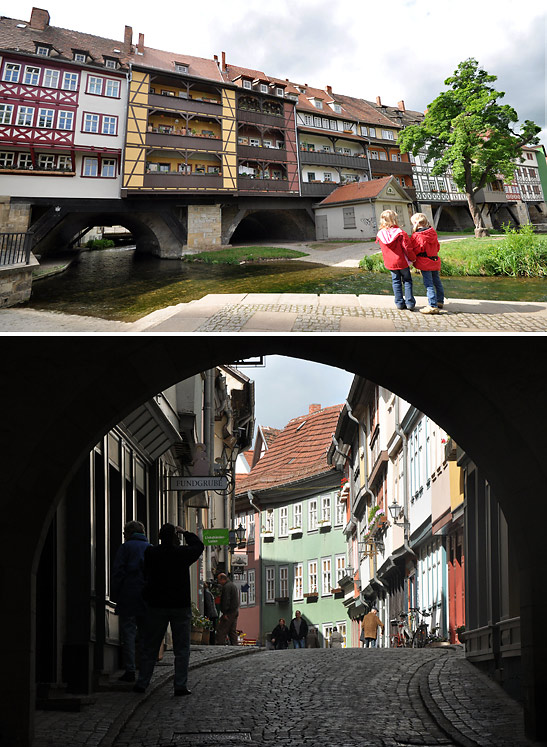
[(396, 247), (425, 245)]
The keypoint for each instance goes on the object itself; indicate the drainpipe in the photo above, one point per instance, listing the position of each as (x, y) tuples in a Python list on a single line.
[(406, 529), (257, 538), (209, 438)]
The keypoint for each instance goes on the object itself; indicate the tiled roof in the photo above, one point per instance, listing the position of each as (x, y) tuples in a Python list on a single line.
[(357, 191), (63, 41), (362, 110), (297, 453), (160, 60), (270, 434)]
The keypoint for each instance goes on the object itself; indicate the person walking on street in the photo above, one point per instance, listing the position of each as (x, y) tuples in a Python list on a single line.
[(229, 608), (126, 591), (281, 635), (299, 630), (336, 639), (312, 641), (167, 593), (370, 626), (210, 610)]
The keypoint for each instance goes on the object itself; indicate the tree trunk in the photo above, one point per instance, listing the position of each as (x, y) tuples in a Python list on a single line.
[(476, 214)]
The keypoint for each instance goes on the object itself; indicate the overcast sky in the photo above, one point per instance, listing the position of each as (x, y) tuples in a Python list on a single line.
[(404, 49), (286, 387)]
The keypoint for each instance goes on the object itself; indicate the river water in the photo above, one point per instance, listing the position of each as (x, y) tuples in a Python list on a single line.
[(122, 285)]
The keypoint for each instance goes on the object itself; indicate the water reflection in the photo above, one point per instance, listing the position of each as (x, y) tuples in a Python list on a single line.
[(123, 285)]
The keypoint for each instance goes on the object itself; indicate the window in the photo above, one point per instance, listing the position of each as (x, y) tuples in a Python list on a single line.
[(340, 561), (12, 72), (94, 85), (283, 522), (32, 76), (109, 126), (45, 117), (25, 161), (51, 79), (383, 156), (364, 130), (65, 163), (311, 176), (388, 135), (269, 524), (327, 176), (396, 157), (247, 84), (340, 513), (298, 592), (318, 104), (270, 584), (337, 108), (263, 88), (297, 515), (349, 217), (312, 576), (279, 91), (91, 123), (6, 160), (326, 576), (108, 168), (80, 57), (42, 51), (348, 126), (65, 120), (254, 141), (312, 515), (251, 580), (70, 82), (112, 89), (180, 67), (325, 509), (284, 581), (46, 161), (112, 64), (6, 112), (91, 167)]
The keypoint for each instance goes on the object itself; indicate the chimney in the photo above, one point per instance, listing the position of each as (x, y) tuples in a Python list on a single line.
[(378, 101), (224, 61), (401, 106), (128, 39), (141, 43), (39, 19), (329, 90), (314, 408)]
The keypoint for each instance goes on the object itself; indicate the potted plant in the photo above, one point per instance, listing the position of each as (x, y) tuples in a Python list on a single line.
[(460, 632)]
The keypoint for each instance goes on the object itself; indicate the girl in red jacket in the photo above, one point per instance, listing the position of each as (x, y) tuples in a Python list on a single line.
[(396, 251), (425, 245)]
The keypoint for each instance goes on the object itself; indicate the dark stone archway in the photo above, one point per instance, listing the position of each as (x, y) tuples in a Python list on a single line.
[(274, 225), (60, 395)]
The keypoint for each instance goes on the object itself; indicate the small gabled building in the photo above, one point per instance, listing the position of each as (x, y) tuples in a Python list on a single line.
[(353, 210), (299, 524)]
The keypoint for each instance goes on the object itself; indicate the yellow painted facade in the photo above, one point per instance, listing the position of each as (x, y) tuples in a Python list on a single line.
[(229, 138), (456, 485), (137, 121)]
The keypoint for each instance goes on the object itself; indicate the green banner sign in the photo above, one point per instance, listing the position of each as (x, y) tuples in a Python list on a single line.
[(215, 537)]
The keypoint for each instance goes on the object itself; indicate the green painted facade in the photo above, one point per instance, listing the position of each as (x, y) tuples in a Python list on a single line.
[(542, 168), (304, 550)]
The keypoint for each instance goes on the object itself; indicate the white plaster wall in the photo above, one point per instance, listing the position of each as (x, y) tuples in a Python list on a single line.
[(101, 105), (364, 222)]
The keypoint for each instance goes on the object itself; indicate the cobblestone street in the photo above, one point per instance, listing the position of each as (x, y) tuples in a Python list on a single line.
[(376, 698)]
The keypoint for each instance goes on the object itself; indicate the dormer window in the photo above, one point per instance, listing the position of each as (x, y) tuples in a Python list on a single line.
[(79, 56), (337, 108), (181, 67), (263, 88), (279, 92), (318, 103), (247, 84), (43, 51), (111, 63)]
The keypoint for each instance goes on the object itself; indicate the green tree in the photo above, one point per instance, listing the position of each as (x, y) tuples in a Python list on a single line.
[(466, 130)]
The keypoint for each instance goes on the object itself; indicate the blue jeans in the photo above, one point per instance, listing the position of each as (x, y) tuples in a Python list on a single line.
[(155, 626), (370, 642), (398, 277), (299, 643), (433, 286), (129, 626)]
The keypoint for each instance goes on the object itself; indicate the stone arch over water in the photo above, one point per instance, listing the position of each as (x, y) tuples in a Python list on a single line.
[(274, 225), (60, 395)]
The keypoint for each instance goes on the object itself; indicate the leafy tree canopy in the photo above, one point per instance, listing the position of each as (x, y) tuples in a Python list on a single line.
[(467, 130)]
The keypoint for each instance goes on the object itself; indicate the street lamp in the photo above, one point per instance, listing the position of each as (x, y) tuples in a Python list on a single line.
[(240, 535), (395, 510)]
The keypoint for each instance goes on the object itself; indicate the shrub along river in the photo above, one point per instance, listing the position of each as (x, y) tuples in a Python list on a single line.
[(121, 285)]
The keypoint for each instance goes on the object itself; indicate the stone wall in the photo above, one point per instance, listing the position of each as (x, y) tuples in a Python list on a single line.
[(204, 227), (14, 217), (16, 283)]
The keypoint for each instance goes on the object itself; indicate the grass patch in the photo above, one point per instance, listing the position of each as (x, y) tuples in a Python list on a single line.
[(519, 254), (244, 254)]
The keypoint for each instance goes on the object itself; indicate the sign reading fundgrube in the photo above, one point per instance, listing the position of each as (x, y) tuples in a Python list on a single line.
[(209, 482)]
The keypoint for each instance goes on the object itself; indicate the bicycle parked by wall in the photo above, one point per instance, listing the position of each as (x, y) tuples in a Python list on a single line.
[(422, 636), (402, 637)]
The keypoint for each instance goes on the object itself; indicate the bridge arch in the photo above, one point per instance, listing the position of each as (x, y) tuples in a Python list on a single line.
[(495, 409), (272, 225)]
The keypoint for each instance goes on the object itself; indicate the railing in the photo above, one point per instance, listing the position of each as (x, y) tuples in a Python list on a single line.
[(15, 248)]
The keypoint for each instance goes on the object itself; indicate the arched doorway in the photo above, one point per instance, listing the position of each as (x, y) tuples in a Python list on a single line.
[(61, 394)]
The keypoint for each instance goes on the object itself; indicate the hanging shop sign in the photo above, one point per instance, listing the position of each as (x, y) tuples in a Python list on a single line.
[(216, 537), (203, 482)]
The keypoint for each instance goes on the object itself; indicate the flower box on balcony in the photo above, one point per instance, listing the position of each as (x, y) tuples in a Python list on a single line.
[(324, 524), (312, 596), (336, 591), (293, 531), (282, 600)]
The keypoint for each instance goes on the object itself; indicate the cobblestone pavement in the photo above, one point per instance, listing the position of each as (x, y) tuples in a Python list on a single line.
[(334, 698)]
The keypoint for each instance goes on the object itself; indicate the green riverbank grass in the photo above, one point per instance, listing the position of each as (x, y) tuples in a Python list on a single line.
[(244, 254), (519, 254)]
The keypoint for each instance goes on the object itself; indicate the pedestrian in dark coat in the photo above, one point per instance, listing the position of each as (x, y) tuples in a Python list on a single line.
[(167, 593), (298, 630), (229, 607), (210, 610), (281, 635), (126, 590)]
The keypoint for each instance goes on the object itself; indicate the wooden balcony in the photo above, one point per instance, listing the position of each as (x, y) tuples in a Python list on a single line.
[(309, 189), (390, 167), (258, 153), (255, 117), (338, 160), (248, 184), (174, 180), (179, 104), (182, 142)]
